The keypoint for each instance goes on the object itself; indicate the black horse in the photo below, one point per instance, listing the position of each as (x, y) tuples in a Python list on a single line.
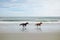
[(23, 25)]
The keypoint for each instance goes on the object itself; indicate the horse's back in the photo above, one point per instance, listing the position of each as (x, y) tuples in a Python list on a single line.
[(23, 24), (38, 24)]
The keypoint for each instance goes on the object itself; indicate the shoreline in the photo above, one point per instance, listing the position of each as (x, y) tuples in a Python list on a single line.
[(25, 21)]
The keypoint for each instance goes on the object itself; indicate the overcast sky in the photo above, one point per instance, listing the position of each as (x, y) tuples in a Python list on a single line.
[(18, 8)]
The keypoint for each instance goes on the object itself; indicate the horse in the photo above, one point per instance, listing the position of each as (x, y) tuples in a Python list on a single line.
[(38, 24), (23, 25)]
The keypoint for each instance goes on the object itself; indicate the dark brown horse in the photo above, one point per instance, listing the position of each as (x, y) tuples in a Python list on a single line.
[(23, 25), (38, 24)]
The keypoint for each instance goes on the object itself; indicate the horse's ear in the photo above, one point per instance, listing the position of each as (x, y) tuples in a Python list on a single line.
[(26, 22)]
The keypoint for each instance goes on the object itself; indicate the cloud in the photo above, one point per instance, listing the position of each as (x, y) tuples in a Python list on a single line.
[(13, 1), (30, 7), (4, 0)]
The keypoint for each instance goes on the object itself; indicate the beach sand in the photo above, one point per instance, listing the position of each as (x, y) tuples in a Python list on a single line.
[(12, 31), (30, 36)]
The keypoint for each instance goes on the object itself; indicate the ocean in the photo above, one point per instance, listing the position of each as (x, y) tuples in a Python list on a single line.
[(36, 19)]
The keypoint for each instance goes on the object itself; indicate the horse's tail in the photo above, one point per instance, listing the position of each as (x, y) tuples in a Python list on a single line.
[(19, 24)]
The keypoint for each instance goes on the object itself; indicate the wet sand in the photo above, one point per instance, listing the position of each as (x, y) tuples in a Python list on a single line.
[(13, 27), (11, 31)]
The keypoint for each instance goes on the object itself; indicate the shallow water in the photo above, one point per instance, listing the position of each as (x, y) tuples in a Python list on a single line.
[(31, 27)]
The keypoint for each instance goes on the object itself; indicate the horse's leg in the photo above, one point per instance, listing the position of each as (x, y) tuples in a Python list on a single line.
[(40, 29), (23, 28), (37, 26)]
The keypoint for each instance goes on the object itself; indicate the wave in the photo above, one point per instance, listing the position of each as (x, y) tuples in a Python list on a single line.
[(36, 19)]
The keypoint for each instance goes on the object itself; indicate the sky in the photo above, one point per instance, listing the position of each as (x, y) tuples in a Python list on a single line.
[(18, 8)]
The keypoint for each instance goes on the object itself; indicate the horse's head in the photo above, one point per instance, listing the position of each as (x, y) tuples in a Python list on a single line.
[(27, 23), (40, 22)]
